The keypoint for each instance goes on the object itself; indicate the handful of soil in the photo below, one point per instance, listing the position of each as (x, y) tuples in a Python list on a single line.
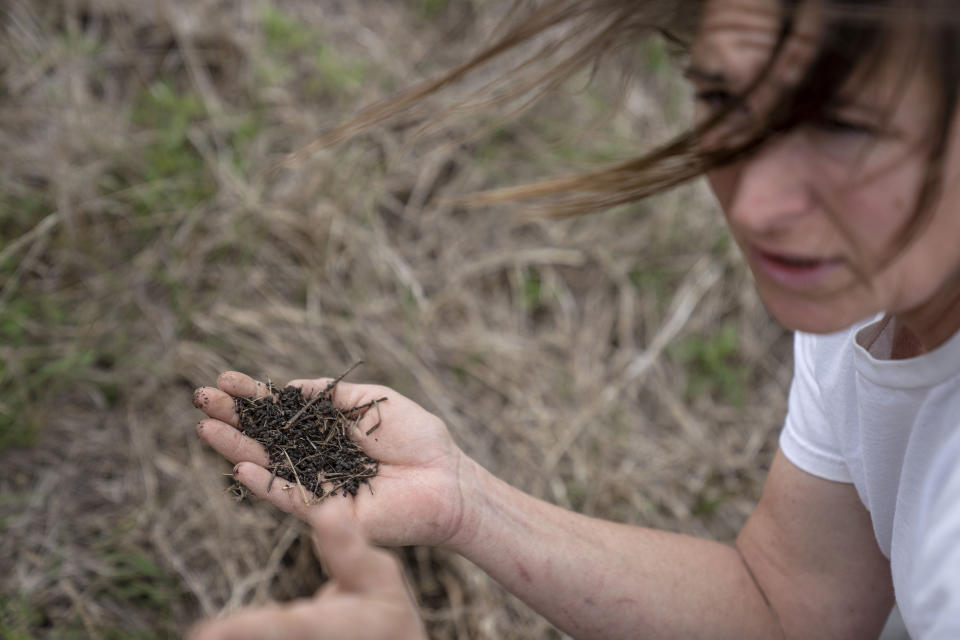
[(307, 440)]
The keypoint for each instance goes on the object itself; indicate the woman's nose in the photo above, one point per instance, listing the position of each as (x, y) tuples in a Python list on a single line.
[(771, 188)]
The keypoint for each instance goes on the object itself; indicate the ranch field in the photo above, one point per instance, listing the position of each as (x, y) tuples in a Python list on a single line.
[(618, 363)]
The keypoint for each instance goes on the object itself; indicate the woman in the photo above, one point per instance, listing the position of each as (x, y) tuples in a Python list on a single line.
[(826, 132)]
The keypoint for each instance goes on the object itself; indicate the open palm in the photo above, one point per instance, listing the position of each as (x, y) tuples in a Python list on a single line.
[(416, 497)]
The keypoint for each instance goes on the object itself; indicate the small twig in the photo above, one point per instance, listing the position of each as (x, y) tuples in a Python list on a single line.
[(297, 415), (39, 230), (343, 375), (362, 407), (365, 405), (273, 476), (379, 417), (303, 492)]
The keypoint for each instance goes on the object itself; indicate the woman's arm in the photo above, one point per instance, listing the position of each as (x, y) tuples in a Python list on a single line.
[(806, 565), (810, 543)]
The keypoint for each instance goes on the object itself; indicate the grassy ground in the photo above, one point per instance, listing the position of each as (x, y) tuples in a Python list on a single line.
[(617, 364)]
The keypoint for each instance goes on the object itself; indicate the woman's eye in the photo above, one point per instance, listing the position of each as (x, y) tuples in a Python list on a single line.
[(715, 98), (834, 124)]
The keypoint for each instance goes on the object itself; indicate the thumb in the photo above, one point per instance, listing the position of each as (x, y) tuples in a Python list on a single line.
[(352, 562)]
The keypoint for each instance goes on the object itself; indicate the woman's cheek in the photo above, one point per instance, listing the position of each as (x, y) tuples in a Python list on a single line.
[(722, 183)]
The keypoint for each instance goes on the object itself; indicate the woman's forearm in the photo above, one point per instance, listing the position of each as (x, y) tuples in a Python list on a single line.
[(599, 579)]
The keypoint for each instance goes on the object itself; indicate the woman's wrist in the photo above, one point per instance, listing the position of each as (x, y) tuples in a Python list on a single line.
[(475, 486)]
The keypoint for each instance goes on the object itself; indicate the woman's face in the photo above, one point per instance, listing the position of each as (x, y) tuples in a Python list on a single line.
[(817, 211)]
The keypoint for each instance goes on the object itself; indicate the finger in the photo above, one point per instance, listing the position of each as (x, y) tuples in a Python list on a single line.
[(350, 559), (232, 444), (347, 395), (283, 494), (281, 623), (314, 386), (242, 385), (331, 615), (216, 404)]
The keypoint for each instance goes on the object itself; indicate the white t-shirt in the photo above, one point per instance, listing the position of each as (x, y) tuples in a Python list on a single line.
[(933, 589), (892, 428)]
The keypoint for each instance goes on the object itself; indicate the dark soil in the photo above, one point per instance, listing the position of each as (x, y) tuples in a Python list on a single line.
[(307, 440)]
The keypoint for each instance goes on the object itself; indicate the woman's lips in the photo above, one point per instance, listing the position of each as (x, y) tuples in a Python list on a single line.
[(794, 272)]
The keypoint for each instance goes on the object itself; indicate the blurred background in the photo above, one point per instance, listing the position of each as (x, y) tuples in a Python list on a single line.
[(618, 364)]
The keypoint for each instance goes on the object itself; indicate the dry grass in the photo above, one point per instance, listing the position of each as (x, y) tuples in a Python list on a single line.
[(617, 364)]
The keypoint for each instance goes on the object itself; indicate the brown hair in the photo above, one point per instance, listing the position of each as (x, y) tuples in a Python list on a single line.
[(854, 30)]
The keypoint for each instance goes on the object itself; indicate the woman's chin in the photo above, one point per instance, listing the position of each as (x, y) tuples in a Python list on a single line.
[(814, 316)]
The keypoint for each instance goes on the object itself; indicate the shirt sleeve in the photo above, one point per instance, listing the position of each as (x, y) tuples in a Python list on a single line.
[(809, 439), (935, 578)]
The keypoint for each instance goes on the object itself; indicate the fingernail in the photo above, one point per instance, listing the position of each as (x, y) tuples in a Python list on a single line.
[(200, 427), (199, 398)]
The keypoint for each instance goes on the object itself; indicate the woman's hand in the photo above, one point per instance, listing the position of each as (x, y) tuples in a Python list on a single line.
[(366, 597), (415, 499)]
